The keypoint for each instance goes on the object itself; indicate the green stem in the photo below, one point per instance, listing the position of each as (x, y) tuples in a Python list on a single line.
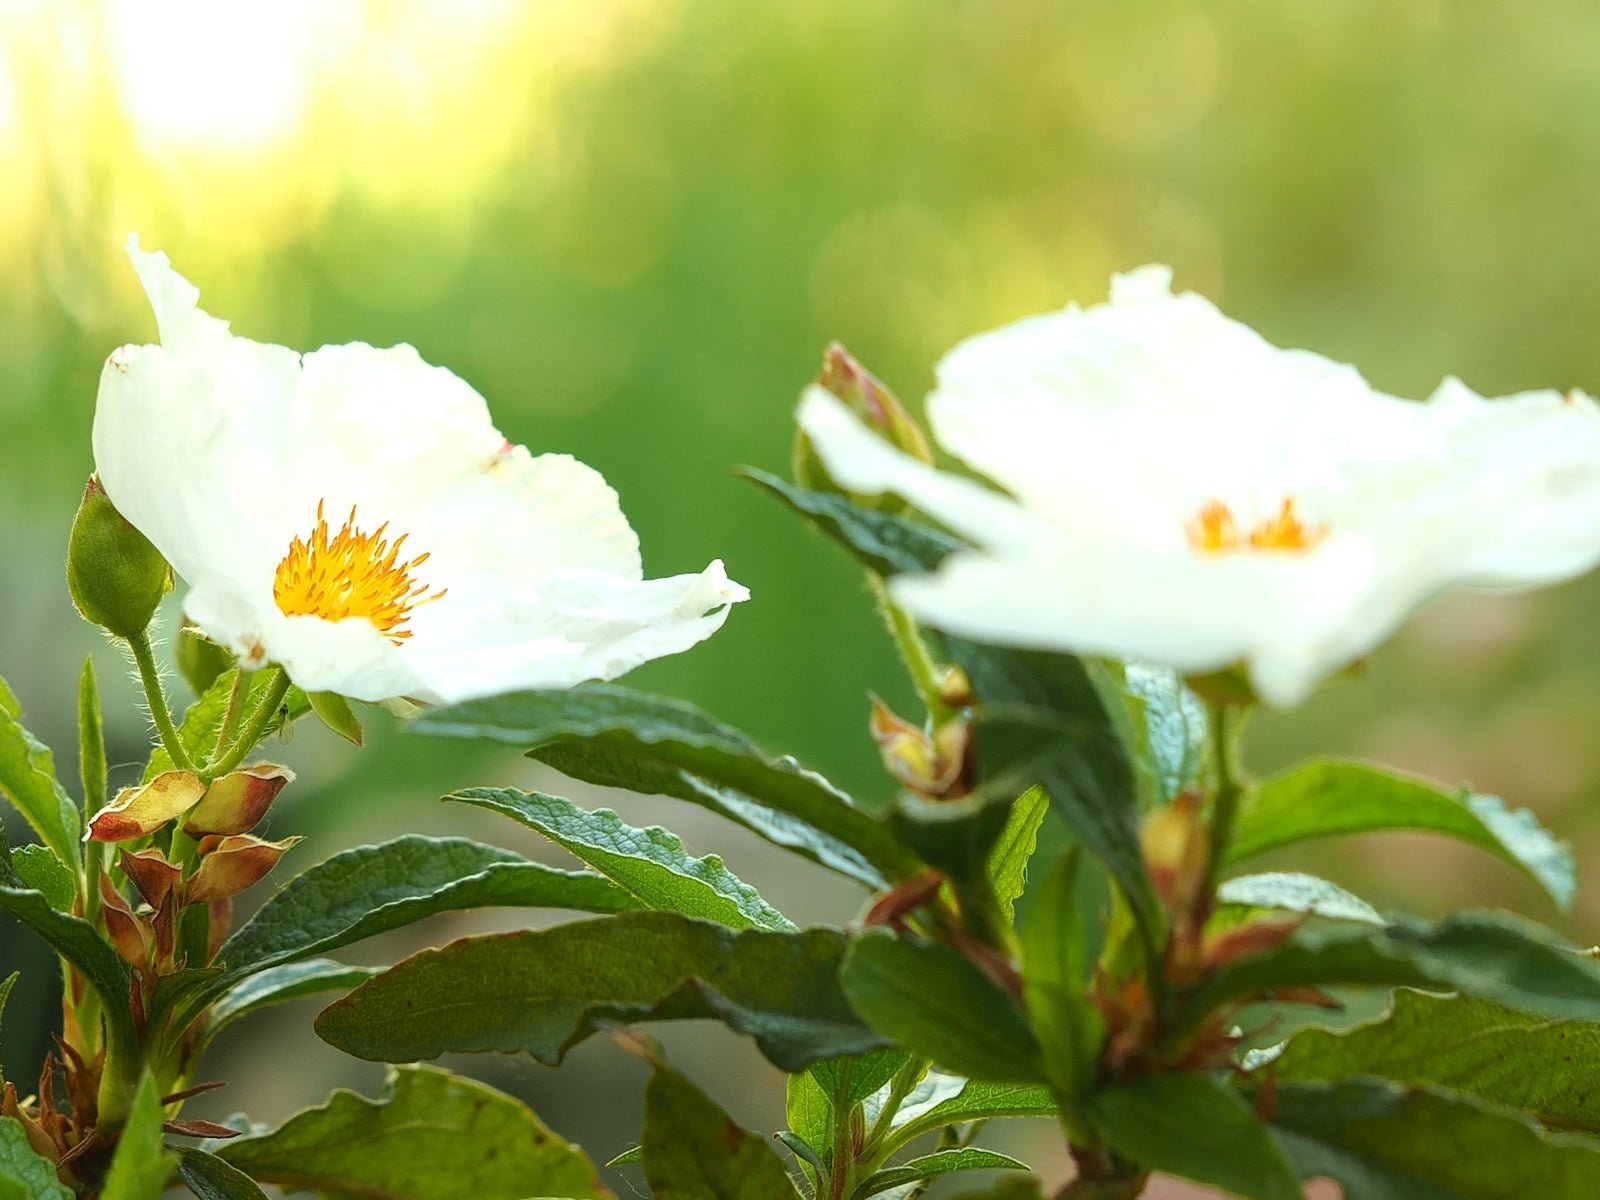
[(156, 697), (913, 651), (1225, 722), (230, 717), (255, 727), (899, 1088), (843, 1161)]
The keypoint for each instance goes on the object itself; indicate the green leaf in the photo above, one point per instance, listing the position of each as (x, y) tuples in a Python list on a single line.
[(79, 943), (930, 1166), (649, 863), (1330, 798), (430, 1136), (1044, 718), (937, 1004), (278, 985), (334, 711), (1543, 1067), (210, 1178), (941, 1100), (611, 735), (6, 984), (91, 741), (694, 1151), (848, 1081), (545, 990), (1197, 1127), (372, 889), (809, 1111), (1170, 728), (1008, 858), (633, 1154), (141, 1165), (1380, 1141), (39, 868), (1491, 955), (1058, 952), (1291, 891), (202, 720), (24, 1175), (28, 780)]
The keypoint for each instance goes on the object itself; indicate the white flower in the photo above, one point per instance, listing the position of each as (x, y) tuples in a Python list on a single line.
[(353, 515), (1182, 492)]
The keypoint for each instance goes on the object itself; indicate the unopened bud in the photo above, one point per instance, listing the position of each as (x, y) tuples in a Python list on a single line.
[(955, 689), (115, 575), (935, 767), (129, 934), (200, 660), (876, 407), (237, 802), (228, 865), (138, 811), (151, 874), (1176, 851)]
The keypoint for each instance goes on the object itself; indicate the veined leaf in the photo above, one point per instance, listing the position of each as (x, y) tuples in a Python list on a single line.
[(618, 737), (931, 1166), (278, 985), (1059, 947), (39, 868), (650, 863), (1170, 728), (1292, 891), (1008, 859), (1539, 1066), (1381, 1141), (1329, 798), (941, 1100), (1490, 955), (24, 1175), (6, 984), (209, 1178), (937, 1004), (430, 1136), (545, 990), (692, 1150), (141, 1165), (28, 780), (1195, 1126)]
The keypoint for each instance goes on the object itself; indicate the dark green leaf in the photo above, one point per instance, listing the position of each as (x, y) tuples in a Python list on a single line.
[(1291, 891), (545, 990), (334, 711), (6, 984), (1008, 858), (937, 1004), (1197, 1127), (371, 889), (141, 1165), (1170, 728), (23, 1174), (28, 780), (278, 985), (1545, 1068), (611, 735), (39, 868), (650, 863), (1058, 952), (848, 1081), (930, 1166), (1330, 798), (210, 1178), (431, 1136), (1380, 1141), (91, 741), (694, 1151), (1491, 955)]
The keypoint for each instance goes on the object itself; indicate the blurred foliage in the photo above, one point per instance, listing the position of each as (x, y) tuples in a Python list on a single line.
[(634, 224)]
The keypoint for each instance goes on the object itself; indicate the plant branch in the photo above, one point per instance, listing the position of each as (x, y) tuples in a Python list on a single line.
[(255, 727), (156, 697)]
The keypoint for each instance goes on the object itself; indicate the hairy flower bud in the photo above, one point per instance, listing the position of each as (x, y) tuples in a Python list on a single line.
[(878, 409), (237, 802), (115, 575)]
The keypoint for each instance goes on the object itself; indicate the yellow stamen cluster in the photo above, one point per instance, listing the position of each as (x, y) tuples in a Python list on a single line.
[(351, 574), (1214, 531)]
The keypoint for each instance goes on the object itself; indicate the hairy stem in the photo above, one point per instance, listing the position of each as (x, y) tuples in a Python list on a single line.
[(1226, 789), (913, 651), (156, 697), (255, 726)]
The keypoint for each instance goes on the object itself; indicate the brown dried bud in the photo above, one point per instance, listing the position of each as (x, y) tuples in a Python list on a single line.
[(876, 407), (229, 865), (237, 802), (129, 934), (151, 874), (138, 811)]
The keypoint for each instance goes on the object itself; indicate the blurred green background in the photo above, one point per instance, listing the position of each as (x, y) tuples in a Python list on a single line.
[(634, 224)]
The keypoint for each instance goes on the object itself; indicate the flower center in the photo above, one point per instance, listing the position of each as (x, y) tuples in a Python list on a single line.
[(351, 574), (1214, 531)]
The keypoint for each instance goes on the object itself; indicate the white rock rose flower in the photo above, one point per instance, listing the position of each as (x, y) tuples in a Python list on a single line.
[(1181, 492), (353, 515)]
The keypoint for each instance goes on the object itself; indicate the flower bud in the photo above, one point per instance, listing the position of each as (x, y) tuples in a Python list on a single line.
[(129, 934), (877, 408), (935, 767), (237, 802), (1176, 846), (200, 660), (151, 874), (228, 865), (115, 575), (137, 811)]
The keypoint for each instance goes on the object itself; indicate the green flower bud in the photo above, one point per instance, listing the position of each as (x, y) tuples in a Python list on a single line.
[(878, 409), (200, 660), (115, 575)]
